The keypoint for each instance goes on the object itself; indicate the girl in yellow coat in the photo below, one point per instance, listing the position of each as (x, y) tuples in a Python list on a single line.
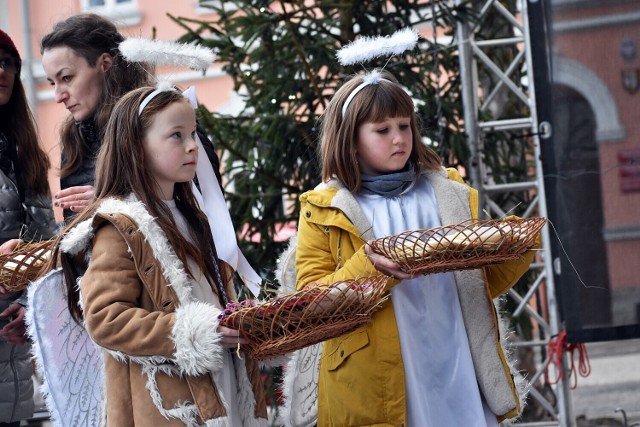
[(432, 356)]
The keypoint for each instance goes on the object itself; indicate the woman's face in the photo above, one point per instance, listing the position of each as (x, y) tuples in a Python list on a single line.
[(75, 83), (7, 78)]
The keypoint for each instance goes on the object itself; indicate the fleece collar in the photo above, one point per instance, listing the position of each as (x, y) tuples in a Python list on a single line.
[(79, 239)]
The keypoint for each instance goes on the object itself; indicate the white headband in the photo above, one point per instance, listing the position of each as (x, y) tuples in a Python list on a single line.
[(163, 86), (373, 78)]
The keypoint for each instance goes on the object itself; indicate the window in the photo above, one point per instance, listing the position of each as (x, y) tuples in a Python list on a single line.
[(202, 9), (122, 12)]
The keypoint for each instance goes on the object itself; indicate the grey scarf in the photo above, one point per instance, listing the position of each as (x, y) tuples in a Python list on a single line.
[(389, 185)]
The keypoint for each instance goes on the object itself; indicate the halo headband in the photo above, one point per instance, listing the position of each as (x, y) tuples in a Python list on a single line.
[(373, 78), (163, 86), (159, 52), (367, 48)]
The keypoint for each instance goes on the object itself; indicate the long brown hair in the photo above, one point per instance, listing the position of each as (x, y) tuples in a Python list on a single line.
[(122, 155), (89, 36), (19, 128), (374, 103)]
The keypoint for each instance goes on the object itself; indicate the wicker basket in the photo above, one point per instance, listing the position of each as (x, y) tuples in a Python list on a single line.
[(312, 315), (23, 265), (467, 245)]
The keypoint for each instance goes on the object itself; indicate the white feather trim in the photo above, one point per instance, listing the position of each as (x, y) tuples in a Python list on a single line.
[(286, 270), (366, 48), (162, 52), (78, 238), (198, 348)]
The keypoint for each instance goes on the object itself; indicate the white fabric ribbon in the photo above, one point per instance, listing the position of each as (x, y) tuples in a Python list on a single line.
[(213, 204)]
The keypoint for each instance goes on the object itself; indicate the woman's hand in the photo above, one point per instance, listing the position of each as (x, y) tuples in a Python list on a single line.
[(9, 246), (386, 265), (74, 198), (14, 332), (6, 248), (230, 337)]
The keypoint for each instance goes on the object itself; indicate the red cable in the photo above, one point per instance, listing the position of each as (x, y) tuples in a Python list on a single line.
[(557, 346)]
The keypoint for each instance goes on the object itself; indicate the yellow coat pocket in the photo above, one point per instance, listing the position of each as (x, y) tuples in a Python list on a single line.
[(339, 349)]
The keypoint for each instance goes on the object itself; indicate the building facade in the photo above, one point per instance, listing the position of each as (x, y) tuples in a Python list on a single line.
[(27, 21), (596, 93)]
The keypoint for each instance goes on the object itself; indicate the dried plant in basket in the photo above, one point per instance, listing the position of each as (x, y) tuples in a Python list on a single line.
[(23, 264), (309, 316), (466, 245)]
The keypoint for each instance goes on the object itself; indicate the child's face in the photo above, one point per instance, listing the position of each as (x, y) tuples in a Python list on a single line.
[(384, 147), (170, 148)]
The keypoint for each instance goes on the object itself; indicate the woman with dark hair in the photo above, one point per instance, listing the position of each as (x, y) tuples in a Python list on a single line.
[(81, 61), (25, 214), (89, 74)]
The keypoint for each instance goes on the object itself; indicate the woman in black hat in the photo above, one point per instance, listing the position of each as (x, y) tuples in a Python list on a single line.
[(25, 215)]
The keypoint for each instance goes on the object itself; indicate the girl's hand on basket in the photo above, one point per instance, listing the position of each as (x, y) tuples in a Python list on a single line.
[(230, 338), (8, 246), (74, 198), (385, 265)]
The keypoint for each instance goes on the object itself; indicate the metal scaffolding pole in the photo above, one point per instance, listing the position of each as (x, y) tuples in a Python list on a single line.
[(478, 98)]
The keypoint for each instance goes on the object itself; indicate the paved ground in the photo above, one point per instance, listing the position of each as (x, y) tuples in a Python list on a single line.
[(614, 383)]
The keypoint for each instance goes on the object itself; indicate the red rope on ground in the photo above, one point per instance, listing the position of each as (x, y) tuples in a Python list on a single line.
[(557, 346)]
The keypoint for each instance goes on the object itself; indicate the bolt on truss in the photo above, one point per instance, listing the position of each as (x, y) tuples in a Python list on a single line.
[(498, 93)]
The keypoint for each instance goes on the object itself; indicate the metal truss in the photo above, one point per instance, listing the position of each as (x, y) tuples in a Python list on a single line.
[(513, 82)]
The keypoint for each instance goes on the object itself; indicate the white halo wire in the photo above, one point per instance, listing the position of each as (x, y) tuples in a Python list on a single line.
[(367, 48)]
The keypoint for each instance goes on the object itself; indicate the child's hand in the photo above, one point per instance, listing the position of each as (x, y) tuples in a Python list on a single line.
[(230, 337), (74, 198), (14, 332), (385, 265)]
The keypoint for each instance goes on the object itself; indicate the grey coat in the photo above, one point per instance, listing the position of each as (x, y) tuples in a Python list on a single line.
[(39, 222), (16, 386)]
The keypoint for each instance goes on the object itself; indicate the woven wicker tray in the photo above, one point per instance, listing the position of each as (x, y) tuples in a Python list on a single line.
[(23, 265), (312, 315), (467, 245)]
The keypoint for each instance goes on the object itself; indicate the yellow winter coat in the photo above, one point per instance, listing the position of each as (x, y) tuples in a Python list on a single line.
[(361, 378)]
